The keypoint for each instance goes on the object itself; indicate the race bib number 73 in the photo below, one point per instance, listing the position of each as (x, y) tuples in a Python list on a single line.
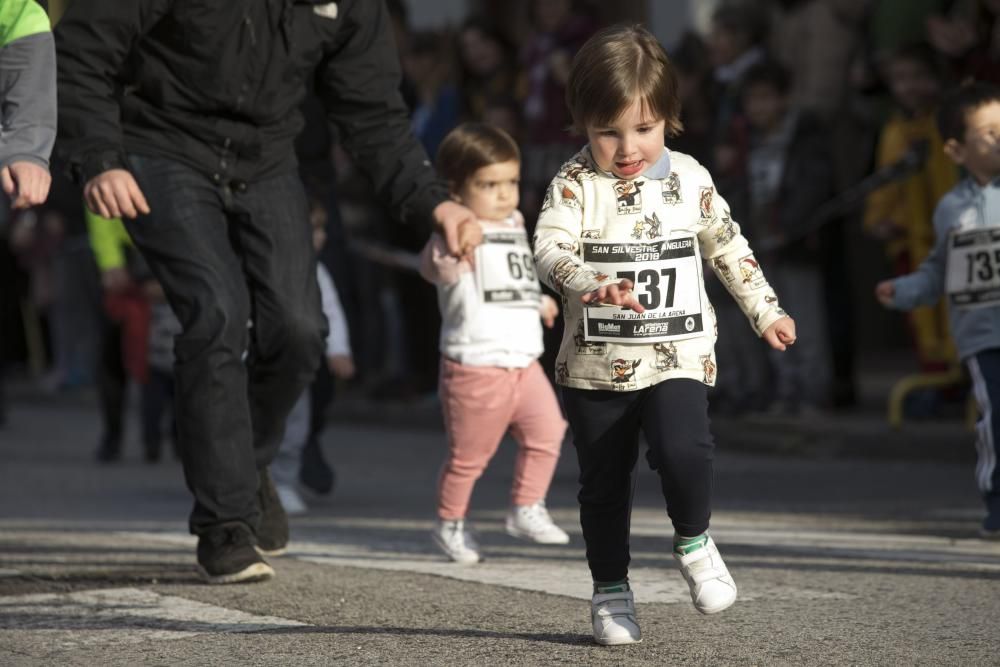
[(667, 279), (973, 274)]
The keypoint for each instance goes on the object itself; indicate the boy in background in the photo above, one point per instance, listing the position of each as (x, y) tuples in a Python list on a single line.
[(965, 265)]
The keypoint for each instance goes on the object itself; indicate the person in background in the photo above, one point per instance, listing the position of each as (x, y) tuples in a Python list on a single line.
[(491, 339), (560, 29), (900, 212), (965, 265), (790, 173), (970, 39), (137, 341), (289, 463), (159, 393)]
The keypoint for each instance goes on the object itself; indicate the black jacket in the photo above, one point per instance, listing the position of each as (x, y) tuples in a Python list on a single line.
[(218, 84)]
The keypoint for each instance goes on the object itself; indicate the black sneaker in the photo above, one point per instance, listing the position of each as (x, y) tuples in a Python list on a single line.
[(315, 473), (226, 555), (272, 534)]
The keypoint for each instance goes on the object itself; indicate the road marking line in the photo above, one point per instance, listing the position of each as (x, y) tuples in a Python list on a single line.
[(124, 616), (567, 576)]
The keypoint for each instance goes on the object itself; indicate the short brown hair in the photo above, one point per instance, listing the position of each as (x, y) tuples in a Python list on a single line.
[(472, 146), (615, 67)]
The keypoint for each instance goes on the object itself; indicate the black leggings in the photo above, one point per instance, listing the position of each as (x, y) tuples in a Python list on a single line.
[(673, 415)]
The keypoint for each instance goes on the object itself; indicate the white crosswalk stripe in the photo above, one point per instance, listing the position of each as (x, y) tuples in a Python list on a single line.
[(123, 616)]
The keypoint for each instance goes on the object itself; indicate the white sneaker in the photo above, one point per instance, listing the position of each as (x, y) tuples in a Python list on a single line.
[(613, 615), (290, 499), (532, 522), (712, 588), (456, 542)]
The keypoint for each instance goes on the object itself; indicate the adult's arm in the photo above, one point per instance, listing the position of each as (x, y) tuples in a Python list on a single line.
[(93, 40), (358, 83)]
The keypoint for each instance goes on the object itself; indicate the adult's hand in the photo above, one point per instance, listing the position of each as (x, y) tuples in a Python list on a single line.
[(26, 183), (115, 194), (459, 227)]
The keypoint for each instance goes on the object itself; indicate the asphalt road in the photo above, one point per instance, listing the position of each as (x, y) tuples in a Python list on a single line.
[(840, 559)]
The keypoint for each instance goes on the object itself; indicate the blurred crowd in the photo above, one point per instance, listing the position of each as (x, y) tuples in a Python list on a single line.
[(815, 116)]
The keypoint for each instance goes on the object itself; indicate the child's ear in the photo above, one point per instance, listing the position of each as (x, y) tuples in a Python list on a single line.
[(955, 151)]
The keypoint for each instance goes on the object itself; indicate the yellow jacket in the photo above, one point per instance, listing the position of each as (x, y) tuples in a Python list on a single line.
[(908, 204)]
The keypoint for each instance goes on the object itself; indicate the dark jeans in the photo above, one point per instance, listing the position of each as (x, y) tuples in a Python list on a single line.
[(673, 415), (225, 256)]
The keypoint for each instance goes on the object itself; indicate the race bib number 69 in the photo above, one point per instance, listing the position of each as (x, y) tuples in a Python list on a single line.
[(973, 275), (667, 282), (505, 269)]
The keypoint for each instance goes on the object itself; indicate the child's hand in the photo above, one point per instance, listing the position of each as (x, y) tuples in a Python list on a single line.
[(616, 295), (781, 334), (341, 366), (885, 292), (549, 310)]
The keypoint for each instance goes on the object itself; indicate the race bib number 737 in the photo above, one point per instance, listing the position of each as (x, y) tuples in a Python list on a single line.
[(667, 282)]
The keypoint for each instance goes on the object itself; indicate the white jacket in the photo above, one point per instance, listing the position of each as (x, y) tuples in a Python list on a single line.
[(489, 317)]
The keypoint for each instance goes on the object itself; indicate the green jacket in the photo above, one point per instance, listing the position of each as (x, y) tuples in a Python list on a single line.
[(27, 83), (108, 239)]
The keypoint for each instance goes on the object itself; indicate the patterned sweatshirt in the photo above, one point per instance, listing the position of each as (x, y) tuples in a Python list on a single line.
[(655, 230)]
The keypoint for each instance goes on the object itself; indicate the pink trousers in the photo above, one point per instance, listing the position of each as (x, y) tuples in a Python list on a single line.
[(480, 404)]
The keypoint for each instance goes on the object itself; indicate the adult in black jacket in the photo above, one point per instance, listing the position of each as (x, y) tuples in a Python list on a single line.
[(180, 115)]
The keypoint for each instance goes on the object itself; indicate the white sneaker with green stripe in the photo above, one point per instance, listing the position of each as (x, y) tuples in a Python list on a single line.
[(712, 588), (613, 616)]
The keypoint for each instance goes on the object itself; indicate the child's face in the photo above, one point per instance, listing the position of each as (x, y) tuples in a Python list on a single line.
[(912, 86), (492, 191), (629, 145), (764, 106), (979, 152)]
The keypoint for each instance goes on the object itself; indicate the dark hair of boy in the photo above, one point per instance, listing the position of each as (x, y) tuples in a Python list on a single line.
[(472, 146), (958, 103), (615, 67)]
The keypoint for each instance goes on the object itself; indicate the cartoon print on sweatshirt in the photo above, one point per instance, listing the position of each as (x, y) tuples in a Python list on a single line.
[(666, 356), (705, 205), (709, 367), (623, 373), (628, 196), (672, 189)]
